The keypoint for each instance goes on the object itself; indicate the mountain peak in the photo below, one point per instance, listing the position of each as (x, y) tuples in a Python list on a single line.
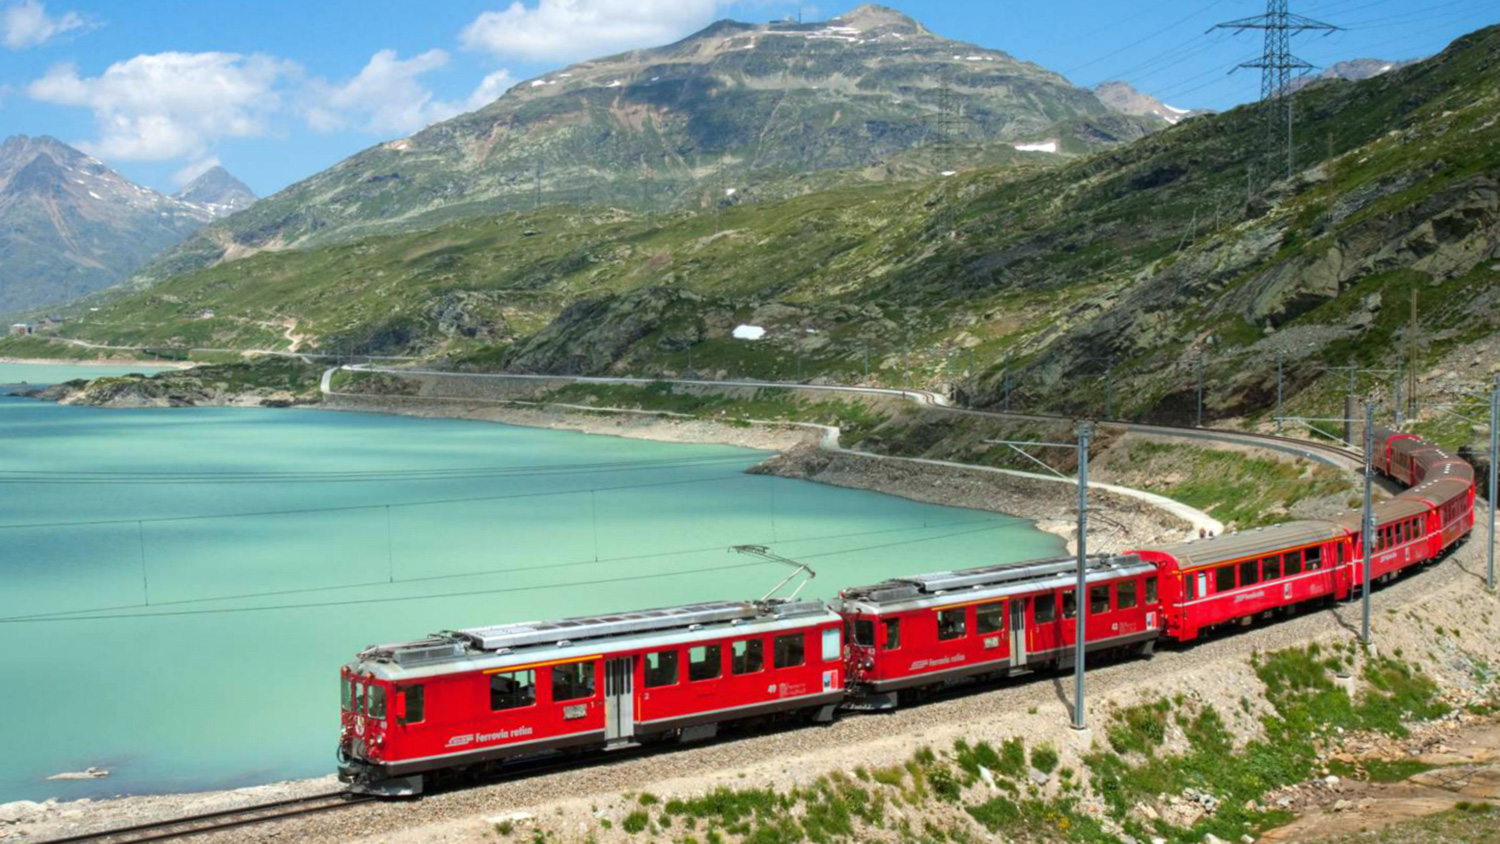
[(1124, 98), (70, 225), (875, 16), (219, 190)]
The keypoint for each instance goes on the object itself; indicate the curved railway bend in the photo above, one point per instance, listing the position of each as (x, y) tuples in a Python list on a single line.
[(1215, 669)]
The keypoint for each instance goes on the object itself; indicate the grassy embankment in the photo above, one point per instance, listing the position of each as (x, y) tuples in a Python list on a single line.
[(975, 789)]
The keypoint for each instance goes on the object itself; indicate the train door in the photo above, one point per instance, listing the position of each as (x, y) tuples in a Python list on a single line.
[(1047, 631), (619, 699), (1018, 631)]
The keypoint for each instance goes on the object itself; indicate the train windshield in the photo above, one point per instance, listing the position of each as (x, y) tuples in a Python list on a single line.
[(346, 692)]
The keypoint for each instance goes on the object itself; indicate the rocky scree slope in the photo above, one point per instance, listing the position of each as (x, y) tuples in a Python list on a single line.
[(733, 112)]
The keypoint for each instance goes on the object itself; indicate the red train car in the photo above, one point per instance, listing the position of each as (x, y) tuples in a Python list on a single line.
[(480, 697), (918, 633), (486, 695), (1234, 577)]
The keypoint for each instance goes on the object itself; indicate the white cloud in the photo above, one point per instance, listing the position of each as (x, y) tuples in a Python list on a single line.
[(489, 89), (170, 105), (194, 170), (387, 97), (27, 24), (565, 30)]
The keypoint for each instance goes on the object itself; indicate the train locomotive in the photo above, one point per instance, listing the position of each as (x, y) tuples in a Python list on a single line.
[(482, 697)]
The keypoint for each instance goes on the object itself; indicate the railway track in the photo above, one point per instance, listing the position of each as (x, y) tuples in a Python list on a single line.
[(189, 825), (1312, 449)]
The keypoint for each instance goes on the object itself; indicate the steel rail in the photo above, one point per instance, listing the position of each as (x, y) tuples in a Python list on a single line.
[(207, 822)]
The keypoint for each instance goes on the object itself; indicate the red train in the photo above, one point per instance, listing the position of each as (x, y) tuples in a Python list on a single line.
[(473, 698)]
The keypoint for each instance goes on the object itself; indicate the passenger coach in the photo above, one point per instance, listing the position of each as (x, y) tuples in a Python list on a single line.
[(917, 633), (482, 696)]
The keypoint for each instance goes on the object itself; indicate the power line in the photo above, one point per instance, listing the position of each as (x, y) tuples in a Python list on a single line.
[(997, 522), (1136, 43), (300, 511), (385, 476), (466, 593)]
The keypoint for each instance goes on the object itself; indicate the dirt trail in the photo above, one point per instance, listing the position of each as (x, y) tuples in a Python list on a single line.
[(1469, 770)]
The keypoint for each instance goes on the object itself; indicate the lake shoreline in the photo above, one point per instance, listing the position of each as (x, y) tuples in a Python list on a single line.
[(79, 362)]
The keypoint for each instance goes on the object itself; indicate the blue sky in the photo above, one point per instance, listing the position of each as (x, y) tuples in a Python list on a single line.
[(278, 89)]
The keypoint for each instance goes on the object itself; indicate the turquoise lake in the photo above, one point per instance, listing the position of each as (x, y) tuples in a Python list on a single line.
[(181, 586), (30, 373)]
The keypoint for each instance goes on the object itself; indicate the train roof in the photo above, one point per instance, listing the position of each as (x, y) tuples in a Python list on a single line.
[(1250, 543), (991, 581), (1385, 512), (1441, 489), (497, 645)]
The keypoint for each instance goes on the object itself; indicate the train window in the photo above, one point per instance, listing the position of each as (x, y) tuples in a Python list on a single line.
[(1249, 572), (346, 693), (1070, 604), (790, 650), (952, 624), (512, 690), (357, 705), (1270, 568), (833, 645), (1293, 564), (573, 681), (1190, 587), (1224, 578), (377, 701), (1314, 558), (1125, 595), (1046, 608), (705, 662), (416, 704), (892, 634), (1098, 600), (748, 656), (990, 618), (864, 632), (1151, 596), (661, 669)]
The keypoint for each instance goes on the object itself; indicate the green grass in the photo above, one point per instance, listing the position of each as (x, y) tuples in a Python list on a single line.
[(1239, 490), (1307, 703)]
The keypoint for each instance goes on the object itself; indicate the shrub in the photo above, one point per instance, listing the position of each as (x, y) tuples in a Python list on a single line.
[(1044, 758), (635, 822)]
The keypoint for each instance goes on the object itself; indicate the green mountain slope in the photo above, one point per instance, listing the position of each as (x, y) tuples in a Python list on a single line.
[(736, 111), (1105, 280)]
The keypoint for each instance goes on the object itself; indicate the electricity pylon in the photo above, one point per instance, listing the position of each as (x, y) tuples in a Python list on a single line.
[(1276, 65)]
